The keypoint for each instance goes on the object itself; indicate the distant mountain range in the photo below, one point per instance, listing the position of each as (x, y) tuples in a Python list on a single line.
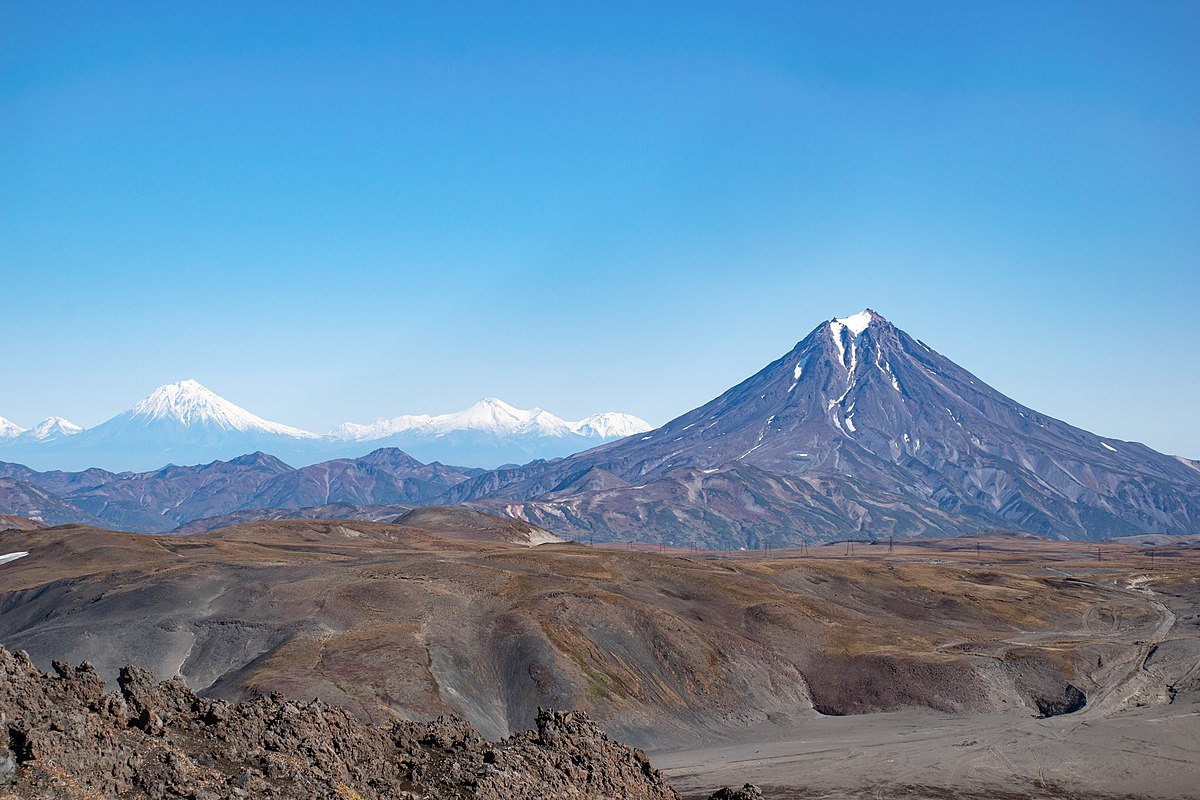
[(246, 488), (859, 430), (185, 423)]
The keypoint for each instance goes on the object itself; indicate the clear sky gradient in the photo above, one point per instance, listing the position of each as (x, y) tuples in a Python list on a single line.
[(346, 211)]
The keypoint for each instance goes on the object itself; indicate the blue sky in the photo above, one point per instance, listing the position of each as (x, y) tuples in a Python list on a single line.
[(331, 214)]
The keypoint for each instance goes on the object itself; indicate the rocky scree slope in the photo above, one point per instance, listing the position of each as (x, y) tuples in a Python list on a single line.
[(66, 738)]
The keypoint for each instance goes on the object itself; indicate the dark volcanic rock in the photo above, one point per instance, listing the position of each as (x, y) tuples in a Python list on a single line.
[(1072, 700), (747, 792), (66, 738)]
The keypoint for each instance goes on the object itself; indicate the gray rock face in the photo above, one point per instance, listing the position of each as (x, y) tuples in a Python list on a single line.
[(859, 428)]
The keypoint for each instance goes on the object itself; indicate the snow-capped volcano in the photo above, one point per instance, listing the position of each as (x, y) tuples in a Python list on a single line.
[(9, 429), (190, 404), (610, 425), (179, 423), (51, 429), (859, 427), (493, 415), (48, 430)]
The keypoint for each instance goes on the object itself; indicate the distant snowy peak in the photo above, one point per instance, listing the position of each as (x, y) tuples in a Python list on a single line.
[(53, 428), (190, 404), (611, 425), (9, 429), (494, 416)]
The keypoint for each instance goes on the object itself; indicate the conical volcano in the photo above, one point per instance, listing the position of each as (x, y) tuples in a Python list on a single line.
[(858, 429)]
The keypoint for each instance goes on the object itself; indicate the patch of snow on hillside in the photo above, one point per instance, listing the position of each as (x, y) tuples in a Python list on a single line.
[(796, 373), (836, 328)]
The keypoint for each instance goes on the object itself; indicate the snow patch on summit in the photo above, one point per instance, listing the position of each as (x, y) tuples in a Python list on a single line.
[(857, 323)]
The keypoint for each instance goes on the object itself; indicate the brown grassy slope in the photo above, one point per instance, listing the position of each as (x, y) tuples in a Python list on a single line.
[(15, 523), (392, 620)]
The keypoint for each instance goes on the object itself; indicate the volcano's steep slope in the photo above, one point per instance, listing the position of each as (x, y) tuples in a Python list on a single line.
[(923, 445)]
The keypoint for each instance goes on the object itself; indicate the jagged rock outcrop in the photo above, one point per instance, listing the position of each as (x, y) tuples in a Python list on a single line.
[(747, 792), (64, 737)]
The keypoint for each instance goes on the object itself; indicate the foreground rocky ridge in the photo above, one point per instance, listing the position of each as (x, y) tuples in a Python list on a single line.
[(66, 738)]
